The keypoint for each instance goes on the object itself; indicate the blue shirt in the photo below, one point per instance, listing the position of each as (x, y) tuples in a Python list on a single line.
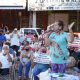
[(2, 38), (11, 51), (59, 54)]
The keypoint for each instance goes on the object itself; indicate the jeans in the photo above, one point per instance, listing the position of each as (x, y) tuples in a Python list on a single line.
[(38, 68), (4, 71), (27, 69)]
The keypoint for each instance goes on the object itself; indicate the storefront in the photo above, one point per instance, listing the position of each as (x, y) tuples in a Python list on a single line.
[(12, 12), (65, 10), (40, 16), (67, 17)]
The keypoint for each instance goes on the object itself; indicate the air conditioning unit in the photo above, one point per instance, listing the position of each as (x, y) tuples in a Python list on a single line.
[(12, 4)]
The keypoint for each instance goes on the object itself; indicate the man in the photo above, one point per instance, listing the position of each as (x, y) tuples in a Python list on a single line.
[(15, 41), (5, 60)]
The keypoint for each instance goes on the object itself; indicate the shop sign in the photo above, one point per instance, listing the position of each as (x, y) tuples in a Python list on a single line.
[(43, 5)]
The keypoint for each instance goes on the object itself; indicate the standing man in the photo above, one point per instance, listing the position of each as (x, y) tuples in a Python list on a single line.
[(15, 44)]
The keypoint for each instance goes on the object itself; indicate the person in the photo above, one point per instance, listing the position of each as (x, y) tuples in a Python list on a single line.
[(25, 61), (29, 36), (35, 42), (58, 39), (22, 37), (39, 65), (7, 35), (6, 29), (41, 37), (2, 39), (11, 51), (6, 60), (14, 40)]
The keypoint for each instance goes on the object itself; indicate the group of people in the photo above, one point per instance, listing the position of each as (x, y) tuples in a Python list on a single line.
[(54, 45)]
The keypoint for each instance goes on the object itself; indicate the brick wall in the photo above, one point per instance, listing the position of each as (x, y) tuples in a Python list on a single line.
[(59, 16), (42, 19), (12, 19)]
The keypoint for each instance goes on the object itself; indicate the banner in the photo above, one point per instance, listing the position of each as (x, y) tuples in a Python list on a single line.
[(12, 4), (44, 5)]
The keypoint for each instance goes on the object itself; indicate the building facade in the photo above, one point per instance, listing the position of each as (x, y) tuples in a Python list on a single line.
[(23, 18)]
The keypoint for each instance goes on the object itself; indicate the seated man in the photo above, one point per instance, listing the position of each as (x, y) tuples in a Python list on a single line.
[(5, 60), (40, 66)]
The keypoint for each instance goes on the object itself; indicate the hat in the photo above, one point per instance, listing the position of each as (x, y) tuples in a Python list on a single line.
[(15, 29)]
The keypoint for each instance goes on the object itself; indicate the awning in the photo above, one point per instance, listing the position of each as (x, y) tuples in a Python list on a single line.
[(12, 4)]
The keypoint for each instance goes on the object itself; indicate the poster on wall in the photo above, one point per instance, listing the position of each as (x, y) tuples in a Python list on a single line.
[(12, 4), (44, 5)]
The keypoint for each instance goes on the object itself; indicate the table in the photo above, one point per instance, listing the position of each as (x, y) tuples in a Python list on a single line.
[(55, 76)]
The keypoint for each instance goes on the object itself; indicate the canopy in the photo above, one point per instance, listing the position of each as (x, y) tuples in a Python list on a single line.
[(12, 4)]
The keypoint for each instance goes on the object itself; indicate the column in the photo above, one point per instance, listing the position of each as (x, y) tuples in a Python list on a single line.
[(30, 19), (34, 19)]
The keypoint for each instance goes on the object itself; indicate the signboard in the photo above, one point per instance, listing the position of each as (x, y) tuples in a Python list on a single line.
[(40, 5), (12, 4), (42, 58)]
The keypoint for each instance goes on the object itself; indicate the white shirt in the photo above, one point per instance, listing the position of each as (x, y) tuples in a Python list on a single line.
[(15, 40), (21, 38), (4, 61), (7, 36), (35, 45)]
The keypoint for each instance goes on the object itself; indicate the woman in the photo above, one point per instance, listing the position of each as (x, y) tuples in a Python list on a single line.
[(58, 48), (25, 61)]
